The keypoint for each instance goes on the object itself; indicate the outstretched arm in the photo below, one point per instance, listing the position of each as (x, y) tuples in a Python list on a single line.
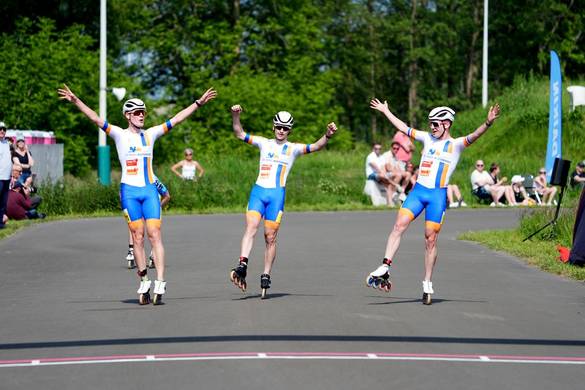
[(493, 114), (210, 94), (237, 125), (66, 94), (321, 142), (383, 108)]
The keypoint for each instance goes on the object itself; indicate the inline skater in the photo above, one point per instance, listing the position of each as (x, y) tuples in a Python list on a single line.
[(267, 197), (138, 194), (439, 158), (165, 197)]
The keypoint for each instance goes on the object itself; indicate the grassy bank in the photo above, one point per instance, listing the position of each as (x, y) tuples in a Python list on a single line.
[(541, 250)]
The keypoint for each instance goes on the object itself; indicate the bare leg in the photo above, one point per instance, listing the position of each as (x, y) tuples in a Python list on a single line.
[(252, 223), (402, 223), (155, 238), (509, 193), (137, 229), (431, 236), (450, 194), (270, 234), (456, 192)]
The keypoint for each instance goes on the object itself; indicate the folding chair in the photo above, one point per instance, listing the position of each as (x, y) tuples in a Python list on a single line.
[(531, 189)]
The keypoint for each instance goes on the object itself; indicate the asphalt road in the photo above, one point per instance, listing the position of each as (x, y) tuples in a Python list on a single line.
[(70, 318)]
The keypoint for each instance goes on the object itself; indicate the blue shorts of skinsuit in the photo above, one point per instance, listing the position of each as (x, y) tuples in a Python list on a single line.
[(268, 202), (140, 202), (433, 200)]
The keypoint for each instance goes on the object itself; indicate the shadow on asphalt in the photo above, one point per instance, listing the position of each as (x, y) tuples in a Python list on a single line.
[(279, 295), (295, 338), (394, 300)]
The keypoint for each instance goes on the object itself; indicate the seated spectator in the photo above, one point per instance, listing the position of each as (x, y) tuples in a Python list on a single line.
[(578, 176), (21, 156), (482, 185), (413, 170), (16, 180), (520, 195), (376, 180), (20, 205), (547, 194), (396, 172), (454, 197), (188, 167), (498, 183), (405, 145)]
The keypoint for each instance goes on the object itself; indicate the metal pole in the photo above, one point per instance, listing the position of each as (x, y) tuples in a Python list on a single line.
[(103, 148), (484, 91)]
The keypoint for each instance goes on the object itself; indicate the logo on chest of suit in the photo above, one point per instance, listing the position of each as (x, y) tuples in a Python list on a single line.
[(270, 155)]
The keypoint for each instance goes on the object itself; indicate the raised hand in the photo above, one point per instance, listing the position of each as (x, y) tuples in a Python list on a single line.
[(236, 109), (493, 113), (65, 93), (331, 129), (210, 94), (378, 105)]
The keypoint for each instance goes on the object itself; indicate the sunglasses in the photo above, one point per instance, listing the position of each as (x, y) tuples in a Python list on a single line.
[(479, 165), (2, 129), (188, 154), (435, 124), (282, 128), (541, 172), (138, 113)]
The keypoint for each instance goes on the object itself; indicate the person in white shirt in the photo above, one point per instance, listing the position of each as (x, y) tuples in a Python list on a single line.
[(482, 185), (190, 169), (5, 173), (376, 171)]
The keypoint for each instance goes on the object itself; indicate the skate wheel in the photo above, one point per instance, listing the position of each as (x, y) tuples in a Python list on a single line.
[(370, 281), (386, 287), (264, 294), (243, 285), (151, 264), (426, 300), (131, 264), (144, 299), (157, 299)]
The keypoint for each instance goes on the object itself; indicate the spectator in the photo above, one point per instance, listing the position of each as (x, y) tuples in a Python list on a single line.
[(20, 206), (188, 166), (547, 194), (454, 197), (16, 180), (21, 156), (375, 173), (396, 171), (413, 170), (520, 195), (482, 185), (5, 169), (499, 183), (406, 146), (578, 176)]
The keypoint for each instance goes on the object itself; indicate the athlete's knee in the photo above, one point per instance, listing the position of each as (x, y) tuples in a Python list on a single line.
[(270, 236), (431, 236)]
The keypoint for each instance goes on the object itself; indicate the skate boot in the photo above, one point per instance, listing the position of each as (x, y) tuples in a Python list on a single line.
[(144, 289), (151, 260), (427, 292), (264, 285), (160, 287), (238, 275), (380, 278), (130, 259)]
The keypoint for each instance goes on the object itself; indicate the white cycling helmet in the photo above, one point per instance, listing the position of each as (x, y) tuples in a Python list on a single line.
[(133, 105), (283, 118), (441, 114)]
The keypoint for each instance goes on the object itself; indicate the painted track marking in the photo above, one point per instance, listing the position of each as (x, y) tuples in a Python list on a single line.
[(117, 359)]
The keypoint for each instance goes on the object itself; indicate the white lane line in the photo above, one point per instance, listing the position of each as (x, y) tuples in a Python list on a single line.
[(561, 360)]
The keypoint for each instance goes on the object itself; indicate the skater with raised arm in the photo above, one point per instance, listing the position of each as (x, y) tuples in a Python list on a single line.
[(439, 158), (138, 193), (277, 156)]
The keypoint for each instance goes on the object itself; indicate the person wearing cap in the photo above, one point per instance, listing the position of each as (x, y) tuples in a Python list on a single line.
[(21, 156), (578, 176), (521, 197), (547, 194), (440, 156), (5, 172), (138, 193), (266, 201)]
